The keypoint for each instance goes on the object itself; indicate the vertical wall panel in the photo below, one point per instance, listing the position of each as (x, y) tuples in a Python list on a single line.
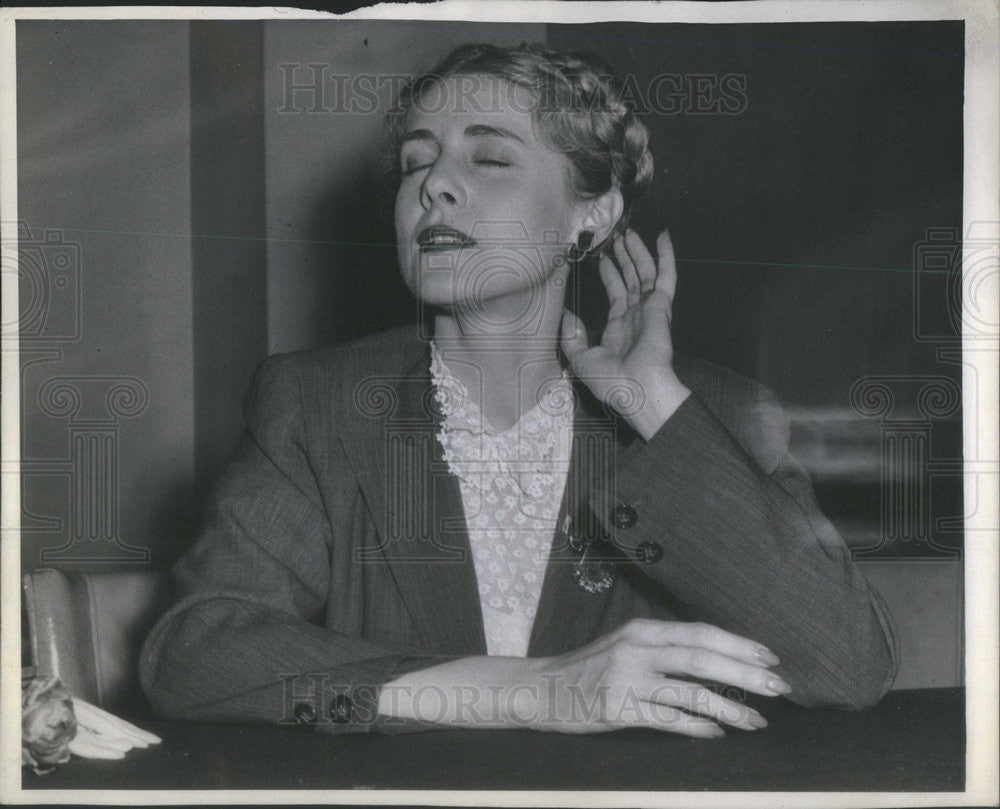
[(227, 220)]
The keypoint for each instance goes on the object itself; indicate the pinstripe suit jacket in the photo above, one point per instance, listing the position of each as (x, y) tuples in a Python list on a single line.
[(334, 555)]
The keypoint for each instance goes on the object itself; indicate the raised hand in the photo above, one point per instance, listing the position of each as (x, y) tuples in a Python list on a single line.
[(631, 369)]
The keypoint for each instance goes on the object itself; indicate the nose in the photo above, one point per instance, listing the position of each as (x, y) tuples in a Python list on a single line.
[(442, 185)]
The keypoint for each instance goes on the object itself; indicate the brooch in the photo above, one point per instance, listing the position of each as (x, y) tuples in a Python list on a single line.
[(592, 576)]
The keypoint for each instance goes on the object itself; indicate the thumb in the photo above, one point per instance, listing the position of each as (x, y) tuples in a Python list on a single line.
[(574, 336)]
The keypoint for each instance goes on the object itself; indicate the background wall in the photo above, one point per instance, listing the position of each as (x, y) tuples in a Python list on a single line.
[(213, 188), (104, 189), (798, 205)]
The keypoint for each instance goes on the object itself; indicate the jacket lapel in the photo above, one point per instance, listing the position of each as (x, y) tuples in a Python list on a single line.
[(568, 615), (417, 507)]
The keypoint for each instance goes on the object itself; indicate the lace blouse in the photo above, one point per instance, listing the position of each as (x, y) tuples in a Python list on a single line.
[(512, 485)]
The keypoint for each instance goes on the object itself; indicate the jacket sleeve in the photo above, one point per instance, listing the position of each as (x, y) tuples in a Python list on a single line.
[(749, 550), (240, 643)]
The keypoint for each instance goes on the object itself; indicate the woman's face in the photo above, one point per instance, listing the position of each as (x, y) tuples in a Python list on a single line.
[(485, 210)]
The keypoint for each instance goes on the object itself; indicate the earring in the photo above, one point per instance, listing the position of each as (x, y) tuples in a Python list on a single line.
[(583, 244)]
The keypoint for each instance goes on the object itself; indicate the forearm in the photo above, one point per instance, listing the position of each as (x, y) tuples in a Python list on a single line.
[(743, 553), (226, 659), (478, 692)]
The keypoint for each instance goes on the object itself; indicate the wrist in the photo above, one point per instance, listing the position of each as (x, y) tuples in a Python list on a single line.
[(493, 692), (661, 394)]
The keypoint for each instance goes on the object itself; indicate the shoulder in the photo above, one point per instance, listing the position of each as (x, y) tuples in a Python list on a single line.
[(319, 377), (749, 410), (395, 349), (388, 352)]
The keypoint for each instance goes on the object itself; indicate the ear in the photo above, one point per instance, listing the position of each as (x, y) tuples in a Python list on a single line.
[(601, 215)]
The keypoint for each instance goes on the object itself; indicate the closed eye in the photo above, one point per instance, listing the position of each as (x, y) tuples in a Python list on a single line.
[(410, 170), (499, 163)]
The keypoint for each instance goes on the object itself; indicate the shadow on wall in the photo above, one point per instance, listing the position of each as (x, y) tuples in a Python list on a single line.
[(361, 280), (177, 520)]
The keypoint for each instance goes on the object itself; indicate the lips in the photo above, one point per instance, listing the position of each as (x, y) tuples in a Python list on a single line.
[(439, 237)]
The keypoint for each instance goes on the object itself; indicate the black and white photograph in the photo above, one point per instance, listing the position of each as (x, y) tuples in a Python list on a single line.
[(491, 403)]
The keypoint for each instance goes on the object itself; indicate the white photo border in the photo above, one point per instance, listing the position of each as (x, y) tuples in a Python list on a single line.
[(981, 204)]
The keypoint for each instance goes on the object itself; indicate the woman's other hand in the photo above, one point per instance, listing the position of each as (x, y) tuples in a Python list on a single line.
[(631, 369), (631, 677)]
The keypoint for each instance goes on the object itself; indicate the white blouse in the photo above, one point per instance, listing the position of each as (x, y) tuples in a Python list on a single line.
[(512, 485)]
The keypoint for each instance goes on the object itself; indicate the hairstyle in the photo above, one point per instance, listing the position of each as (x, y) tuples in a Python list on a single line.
[(580, 111)]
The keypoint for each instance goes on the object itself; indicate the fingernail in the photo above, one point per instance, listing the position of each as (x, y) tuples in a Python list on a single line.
[(768, 657), (779, 686), (757, 720), (717, 732)]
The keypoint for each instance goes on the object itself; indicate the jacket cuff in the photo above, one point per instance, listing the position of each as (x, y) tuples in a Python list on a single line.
[(349, 697)]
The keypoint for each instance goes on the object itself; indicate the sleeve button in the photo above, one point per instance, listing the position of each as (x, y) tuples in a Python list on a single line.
[(649, 553), (625, 516), (304, 713), (341, 709)]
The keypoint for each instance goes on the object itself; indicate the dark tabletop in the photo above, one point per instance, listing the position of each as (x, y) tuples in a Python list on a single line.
[(914, 740)]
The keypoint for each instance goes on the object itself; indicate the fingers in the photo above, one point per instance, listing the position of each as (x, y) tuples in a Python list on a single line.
[(696, 699), (637, 273), (614, 286), (108, 724), (704, 664), (574, 336), (645, 267), (707, 636), (658, 716), (628, 270), (706, 652), (666, 277)]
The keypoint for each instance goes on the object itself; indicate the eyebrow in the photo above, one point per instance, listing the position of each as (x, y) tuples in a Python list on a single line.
[(474, 131), (481, 130)]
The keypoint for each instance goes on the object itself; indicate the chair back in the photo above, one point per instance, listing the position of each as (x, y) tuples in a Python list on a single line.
[(88, 628)]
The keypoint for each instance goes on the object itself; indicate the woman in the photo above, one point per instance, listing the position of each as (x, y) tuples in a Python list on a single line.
[(506, 525)]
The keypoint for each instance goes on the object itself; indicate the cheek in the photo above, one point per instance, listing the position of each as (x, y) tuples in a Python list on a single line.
[(554, 205), (402, 210), (404, 224), (407, 212)]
